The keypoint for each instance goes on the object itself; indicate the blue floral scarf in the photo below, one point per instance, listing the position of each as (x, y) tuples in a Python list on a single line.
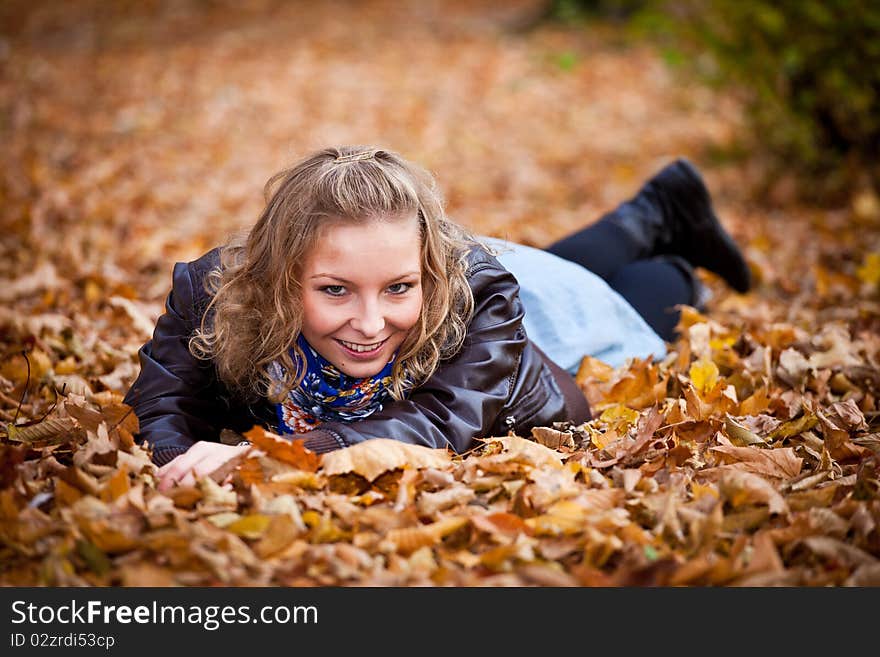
[(325, 394)]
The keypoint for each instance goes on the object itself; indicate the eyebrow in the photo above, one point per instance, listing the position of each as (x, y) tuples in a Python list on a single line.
[(348, 282)]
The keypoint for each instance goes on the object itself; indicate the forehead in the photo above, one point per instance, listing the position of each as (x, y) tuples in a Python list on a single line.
[(383, 245)]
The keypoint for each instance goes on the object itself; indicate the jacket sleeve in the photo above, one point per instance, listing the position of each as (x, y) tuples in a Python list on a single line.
[(465, 395), (174, 396)]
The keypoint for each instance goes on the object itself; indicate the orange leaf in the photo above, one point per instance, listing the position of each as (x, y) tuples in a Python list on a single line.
[(117, 485), (507, 524), (292, 452)]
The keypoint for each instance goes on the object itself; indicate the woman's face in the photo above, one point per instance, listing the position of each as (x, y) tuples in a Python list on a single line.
[(362, 292)]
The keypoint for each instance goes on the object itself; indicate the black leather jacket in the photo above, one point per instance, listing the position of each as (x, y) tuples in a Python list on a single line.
[(499, 381)]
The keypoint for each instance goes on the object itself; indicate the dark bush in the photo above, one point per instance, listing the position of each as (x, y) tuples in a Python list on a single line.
[(612, 10), (809, 71)]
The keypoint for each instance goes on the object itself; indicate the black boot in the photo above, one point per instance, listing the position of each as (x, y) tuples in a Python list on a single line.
[(672, 214)]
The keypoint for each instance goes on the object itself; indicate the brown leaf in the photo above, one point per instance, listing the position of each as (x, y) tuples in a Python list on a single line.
[(741, 487), (371, 458), (865, 575), (781, 463), (51, 431), (756, 404), (145, 574), (215, 497), (550, 485), (846, 415), (836, 550), (65, 494), (739, 434), (793, 367), (429, 504), (184, 497), (837, 439), (88, 418), (121, 377), (81, 480), (502, 526), (552, 438), (120, 416), (117, 486), (546, 574), (281, 532), (44, 277), (409, 539)]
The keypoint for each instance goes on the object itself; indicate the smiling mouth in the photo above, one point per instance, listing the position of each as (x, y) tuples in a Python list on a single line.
[(362, 348)]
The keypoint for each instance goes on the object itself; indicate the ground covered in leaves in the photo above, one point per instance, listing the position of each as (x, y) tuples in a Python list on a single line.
[(138, 135)]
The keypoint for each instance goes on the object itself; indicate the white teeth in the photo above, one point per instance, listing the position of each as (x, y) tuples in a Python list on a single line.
[(361, 347)]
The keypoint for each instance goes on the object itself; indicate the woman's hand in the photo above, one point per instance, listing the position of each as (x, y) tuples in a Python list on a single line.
[(198, 461)]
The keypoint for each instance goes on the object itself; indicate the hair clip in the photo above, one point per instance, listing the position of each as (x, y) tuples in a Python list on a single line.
[(355, 157)]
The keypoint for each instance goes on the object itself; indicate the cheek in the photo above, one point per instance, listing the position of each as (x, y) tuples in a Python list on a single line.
[(408, 315), (319, 317)]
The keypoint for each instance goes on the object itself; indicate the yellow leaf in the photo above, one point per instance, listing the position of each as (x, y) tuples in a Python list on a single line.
[(251, 526), (794, 427), (602, 440), (699, 491), (311, 518), (869, 272), (704, 374), (563, 518), (614, 414), (721, 342)]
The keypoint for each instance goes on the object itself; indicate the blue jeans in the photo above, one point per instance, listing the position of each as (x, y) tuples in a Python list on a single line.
[(653, 285)]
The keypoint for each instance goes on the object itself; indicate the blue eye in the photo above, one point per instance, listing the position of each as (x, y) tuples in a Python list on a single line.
[(333, 290), (399, 288)]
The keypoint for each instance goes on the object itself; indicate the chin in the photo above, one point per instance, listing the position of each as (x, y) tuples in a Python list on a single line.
[(361, 373)]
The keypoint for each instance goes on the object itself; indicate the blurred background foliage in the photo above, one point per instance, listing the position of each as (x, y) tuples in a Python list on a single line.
[(807, 71)]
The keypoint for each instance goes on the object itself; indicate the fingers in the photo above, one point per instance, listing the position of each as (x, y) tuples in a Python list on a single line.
[(198, 461), (185, 469)]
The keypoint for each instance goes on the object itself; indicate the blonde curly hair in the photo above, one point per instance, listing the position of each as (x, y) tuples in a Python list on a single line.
[(255, 314)]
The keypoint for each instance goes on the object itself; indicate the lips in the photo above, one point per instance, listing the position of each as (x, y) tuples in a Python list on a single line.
[(358, 349), (356, 346)]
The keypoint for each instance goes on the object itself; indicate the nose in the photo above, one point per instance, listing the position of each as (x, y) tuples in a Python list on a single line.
[(369, 320)]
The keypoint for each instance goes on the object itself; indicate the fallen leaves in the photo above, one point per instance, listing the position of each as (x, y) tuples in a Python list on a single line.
[(746, 456)]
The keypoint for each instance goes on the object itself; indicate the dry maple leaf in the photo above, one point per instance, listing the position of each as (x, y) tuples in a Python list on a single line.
[(374, 457), (292, 452)]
